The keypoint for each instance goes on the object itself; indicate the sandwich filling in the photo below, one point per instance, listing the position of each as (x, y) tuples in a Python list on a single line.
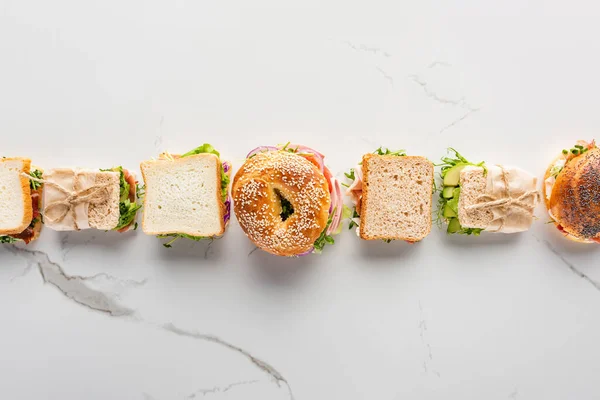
[(355, 190), (129, 190), (336, 209), (225, 196), (558, 165), (36, 202), (450, 192)]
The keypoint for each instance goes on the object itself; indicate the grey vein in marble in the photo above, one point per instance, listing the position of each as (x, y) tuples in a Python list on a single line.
[(79, 288), (431, 94), (252, 251), (219, 389), (423, 334), (569, 264), (456, 121), (439, 64), (368, 49), (389, 78), (262, 365)]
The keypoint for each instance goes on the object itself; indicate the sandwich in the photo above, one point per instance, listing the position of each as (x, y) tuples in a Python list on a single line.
[(392, 196), (287, 201), (20, 200), (186, 196), (479, 197), (572, 192), (76, 199)]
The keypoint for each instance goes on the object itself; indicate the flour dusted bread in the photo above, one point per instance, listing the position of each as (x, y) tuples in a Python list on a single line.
[(16, 210), (473, 184), (183, 195), (397, 197)]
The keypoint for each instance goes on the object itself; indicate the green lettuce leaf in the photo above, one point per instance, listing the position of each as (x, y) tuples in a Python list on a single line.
[(127, 209), (34, 185), (175, 236)]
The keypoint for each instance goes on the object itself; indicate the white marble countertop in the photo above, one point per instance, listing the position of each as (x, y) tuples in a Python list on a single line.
[(94, 315)]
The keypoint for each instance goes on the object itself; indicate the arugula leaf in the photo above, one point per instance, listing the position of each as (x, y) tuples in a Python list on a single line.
[(8, 239), (176, 236), (384, 151), (286, 207), (127, 209), (34, 185), (350, 175), (205, 148), (324, 238), (140, 190)]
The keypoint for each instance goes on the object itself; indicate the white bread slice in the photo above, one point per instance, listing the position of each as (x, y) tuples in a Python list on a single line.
[(105, 216), (397, 197), (183, 195), (473, 183), (16, 210)]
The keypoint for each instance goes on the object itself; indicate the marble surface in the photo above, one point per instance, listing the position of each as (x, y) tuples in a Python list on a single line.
[(95, 315)]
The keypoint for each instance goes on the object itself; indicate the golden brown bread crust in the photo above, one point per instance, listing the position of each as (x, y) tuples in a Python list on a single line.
[(258, 206), (27, 206), (575, 198)]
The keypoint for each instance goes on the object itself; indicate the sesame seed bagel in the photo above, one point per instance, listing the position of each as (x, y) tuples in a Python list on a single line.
[(575, 199), (257, 190)]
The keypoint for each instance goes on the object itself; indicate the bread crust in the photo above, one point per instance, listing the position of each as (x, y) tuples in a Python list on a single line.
[(164, 158), (365, 200), (258, 207), (25, 188), (575, 199)]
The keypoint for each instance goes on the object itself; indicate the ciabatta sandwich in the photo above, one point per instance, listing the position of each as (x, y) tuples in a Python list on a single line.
[(572, 192), (186, 196), (492, 198), (287, 201), (20, 200), (76, 199), (392, 195)]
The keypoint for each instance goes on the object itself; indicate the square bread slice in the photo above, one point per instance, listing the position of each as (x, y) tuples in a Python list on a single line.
[(397, 197), (16, 210), (183, 195), (473, 183)]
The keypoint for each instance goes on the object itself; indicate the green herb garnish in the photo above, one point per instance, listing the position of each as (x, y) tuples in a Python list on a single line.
[(286, 207), (324, 238), (383, 151), (127, 209), (448, 205), (8, 239), (176, 236), (35, 185)]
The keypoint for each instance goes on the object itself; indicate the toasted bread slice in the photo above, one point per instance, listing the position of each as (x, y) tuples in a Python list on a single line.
[(397, 197), (16, 210), (473, 183), (183, 195)]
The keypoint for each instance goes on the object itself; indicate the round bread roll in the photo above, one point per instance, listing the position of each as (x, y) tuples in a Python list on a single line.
[(257, 190), (575, 199)]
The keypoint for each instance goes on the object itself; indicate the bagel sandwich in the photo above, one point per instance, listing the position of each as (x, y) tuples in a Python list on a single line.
[(287, 201), (572, 192), (392, 196), (104, 199), (20, 200), (186, 196), (479, 197)]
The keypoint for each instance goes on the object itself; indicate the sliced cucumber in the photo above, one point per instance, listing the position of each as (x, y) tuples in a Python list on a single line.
[(453, 225), (447, 192), (449, 212), (452, 177)]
